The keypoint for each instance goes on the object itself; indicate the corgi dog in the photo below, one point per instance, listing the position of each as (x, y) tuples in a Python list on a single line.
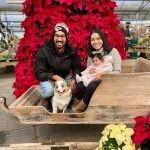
[(62, 96)]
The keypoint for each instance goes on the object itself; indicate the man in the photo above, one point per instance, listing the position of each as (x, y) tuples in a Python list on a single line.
[(126, 29), (126, 33), (54, 61)]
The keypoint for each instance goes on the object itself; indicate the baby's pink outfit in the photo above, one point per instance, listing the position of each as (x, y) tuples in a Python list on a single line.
[(86, 77)]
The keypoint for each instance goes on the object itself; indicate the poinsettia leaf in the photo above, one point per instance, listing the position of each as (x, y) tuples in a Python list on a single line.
[(69, 2), (139, 118), (49, 2), (80, 5), (148, 118), (62, 1)]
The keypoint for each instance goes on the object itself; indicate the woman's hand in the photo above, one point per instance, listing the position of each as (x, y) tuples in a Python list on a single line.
[(98, 76), (92, 71)]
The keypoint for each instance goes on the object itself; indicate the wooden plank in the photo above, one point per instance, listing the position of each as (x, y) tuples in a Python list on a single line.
[(127, 66), (40, 103), (31, 99), (52, 146), (128, 62), (103, 114), (28, 96), (144, 65), (128, 89)]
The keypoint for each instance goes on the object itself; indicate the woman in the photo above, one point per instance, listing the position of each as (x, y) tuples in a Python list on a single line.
[(97, 44)]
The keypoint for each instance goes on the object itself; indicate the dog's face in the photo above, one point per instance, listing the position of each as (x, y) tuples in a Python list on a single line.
[(61, 87)]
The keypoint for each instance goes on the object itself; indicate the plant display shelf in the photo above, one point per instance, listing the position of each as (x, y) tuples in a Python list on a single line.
[(4, 63), (140, 49)]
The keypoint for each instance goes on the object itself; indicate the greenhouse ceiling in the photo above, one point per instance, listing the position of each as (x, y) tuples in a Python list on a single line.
[(132, 10)]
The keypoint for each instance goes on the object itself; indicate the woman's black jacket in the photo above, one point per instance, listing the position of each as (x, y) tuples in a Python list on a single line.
[(49, 62)]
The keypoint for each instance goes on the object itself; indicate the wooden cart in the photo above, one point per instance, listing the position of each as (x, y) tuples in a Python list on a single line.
[(119, 98)]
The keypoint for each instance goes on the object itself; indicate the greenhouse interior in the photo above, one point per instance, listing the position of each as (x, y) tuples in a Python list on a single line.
[(74, 74)]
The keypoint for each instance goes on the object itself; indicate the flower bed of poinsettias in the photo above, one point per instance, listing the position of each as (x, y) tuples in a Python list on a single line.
[(119, 137), (80, 15)]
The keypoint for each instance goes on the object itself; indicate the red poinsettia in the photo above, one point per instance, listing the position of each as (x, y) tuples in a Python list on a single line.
[(142, 129)]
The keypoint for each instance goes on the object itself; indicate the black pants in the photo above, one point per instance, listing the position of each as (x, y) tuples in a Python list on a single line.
[(86, 93)]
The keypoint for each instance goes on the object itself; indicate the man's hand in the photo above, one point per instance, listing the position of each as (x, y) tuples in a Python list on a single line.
[(73, 86), (56, 78)]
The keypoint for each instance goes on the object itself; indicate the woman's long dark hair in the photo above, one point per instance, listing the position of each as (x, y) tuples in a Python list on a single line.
[(107, 48)]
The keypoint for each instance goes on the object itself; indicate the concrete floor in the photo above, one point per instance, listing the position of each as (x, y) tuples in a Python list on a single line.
[(13, 132)]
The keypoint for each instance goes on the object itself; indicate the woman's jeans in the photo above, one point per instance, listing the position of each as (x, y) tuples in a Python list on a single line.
[(47, 89)]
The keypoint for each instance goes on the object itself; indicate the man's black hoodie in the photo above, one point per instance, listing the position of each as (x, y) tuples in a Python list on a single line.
[(49, 62)]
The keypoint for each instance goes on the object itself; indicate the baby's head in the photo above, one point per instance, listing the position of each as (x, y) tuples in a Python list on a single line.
[(97, 59)]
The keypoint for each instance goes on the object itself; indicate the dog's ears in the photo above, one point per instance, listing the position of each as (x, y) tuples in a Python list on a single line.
[(53, 82), (68, 82)]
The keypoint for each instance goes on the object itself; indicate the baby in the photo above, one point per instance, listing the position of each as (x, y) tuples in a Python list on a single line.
[(100, 64)]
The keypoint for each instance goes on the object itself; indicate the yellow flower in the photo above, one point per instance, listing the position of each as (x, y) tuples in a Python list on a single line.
[(120, 133), (100, 143), (98, 148), (122, 126), (113, 134), (111, 126), (128, 147), (119, 138), (129, 131), (139, 148), (104, 138), (128, 140), (105, 132)]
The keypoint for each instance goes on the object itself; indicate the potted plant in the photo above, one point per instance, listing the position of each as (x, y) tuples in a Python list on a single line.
[(116, 137), (5, 37), (141, 136)]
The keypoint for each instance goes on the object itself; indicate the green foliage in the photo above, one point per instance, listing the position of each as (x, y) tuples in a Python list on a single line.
[(143, 40), (111, 144)]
